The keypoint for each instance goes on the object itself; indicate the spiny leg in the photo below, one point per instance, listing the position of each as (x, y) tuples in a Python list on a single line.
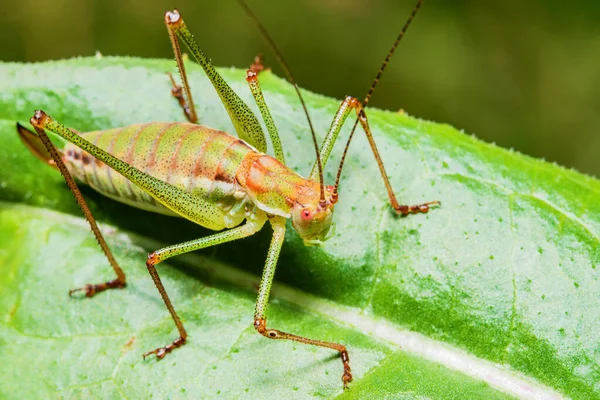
[(362, 118), (349, 104), (332, 134), (89, 289), (186, 103), (177, 91), (245, 122), (399, 208), (260, 319), (160, 255), (252, 79)]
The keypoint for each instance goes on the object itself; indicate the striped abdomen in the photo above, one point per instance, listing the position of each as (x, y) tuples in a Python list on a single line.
[(198, 159)]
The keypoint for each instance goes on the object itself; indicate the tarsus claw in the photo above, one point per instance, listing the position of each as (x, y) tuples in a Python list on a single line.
[(90, 289), (161, 352)]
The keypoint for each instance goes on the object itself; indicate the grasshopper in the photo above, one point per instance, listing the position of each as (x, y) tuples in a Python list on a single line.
[(210, 177)]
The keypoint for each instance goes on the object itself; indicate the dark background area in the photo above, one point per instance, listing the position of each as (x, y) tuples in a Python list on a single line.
[(523, 74)]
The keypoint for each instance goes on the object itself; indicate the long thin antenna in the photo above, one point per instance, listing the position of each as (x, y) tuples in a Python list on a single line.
[(375, 82), (288, 72)]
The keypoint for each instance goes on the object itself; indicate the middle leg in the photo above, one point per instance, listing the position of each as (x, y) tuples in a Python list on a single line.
[(158, 256)]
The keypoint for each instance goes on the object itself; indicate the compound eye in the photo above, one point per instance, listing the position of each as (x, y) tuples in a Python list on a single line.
[(306, 214)]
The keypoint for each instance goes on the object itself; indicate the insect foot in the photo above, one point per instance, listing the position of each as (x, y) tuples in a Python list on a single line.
[(415, 209), (161, 352), (347, 376), (90, 290), (260, 324)]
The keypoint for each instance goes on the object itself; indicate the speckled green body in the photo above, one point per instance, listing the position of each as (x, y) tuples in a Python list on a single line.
[(205, 162)]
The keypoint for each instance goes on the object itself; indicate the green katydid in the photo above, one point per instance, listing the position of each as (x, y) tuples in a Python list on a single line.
[(210, 177)]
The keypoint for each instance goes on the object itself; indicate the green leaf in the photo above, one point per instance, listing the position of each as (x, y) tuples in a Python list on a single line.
[(491, 295)]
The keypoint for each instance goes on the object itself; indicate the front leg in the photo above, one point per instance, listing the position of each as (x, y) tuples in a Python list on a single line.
[(260, 319), (349, 104)]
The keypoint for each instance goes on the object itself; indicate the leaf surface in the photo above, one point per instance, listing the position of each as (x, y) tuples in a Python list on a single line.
[(493, 294)]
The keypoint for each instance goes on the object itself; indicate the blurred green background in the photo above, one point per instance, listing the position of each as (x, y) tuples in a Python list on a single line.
[(523, 74)]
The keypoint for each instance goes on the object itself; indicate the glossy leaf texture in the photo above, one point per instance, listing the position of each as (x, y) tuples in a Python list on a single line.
[(490, 296)]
